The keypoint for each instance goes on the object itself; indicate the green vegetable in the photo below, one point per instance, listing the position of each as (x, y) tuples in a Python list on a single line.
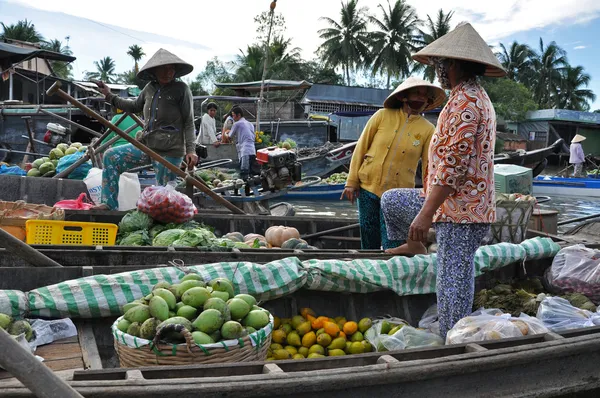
[(135, 221), (136, 238), (157, 229), (168, 237)]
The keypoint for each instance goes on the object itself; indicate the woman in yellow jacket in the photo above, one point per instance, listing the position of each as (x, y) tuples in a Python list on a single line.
[(387, 154)]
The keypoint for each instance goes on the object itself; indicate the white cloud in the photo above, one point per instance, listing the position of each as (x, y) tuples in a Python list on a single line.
[(579, 47)]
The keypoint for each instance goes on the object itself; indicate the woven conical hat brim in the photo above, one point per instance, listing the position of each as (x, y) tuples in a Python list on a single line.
[(160, 58), (463, 43), (577, 138), (393, 102)]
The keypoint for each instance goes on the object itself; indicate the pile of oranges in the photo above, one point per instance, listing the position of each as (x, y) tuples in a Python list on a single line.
[(310, 336)]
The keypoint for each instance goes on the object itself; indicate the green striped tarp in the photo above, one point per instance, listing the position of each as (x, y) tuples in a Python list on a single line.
[(105, 295)]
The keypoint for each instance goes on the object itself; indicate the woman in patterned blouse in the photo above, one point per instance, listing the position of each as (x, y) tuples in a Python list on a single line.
[(458, 197)]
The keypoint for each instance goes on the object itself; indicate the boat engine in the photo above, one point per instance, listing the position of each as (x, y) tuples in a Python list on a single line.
[(56, 134), (279, 168)]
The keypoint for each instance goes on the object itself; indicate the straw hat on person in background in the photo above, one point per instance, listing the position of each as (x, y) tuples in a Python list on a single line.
[(435, 94), (577, 138), (463, 43), (164, 57)]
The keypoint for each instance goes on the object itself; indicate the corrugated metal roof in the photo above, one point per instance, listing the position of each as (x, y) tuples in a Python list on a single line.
[(269, 85), (345, 95), (564, 115)]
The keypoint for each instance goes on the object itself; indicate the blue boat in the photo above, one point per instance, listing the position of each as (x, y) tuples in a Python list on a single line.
[(551, 185), (317, 192)]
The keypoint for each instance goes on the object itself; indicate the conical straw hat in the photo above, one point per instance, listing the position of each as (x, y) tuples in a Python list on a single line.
[(463, 43), (160, 58), (577, 138), (439, 95)]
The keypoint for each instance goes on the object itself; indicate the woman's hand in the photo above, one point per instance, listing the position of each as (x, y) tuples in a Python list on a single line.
[(420, 228), (191, 159), (350, 193), (103, 88)]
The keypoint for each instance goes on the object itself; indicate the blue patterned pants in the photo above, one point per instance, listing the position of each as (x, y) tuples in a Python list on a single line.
[(373, 232), (122, 158), (457, 244)]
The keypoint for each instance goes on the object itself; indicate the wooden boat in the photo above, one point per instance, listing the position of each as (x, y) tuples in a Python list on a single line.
[(536, 159), (551, 185), (317, 192), (550, 365)]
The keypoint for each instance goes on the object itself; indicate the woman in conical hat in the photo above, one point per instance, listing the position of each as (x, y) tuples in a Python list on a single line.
[(168, 111), (577, 158), (458, 198), (387, 154)]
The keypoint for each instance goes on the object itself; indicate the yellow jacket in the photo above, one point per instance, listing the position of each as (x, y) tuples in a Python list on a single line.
[(388, 151)]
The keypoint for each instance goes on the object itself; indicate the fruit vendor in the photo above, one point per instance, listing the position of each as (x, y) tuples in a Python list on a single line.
[(169, 131), (387, 155), (577, 157), (458, 196), (242, 132)]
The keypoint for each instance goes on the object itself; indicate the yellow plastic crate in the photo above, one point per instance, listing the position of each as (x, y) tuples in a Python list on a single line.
[(46, 232)]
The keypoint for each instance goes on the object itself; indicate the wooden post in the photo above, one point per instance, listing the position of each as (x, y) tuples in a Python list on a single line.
[(55, 89), (32, 373), (26, 252)]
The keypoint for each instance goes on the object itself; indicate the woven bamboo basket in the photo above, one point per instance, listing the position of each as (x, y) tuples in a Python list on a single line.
[(249, 348), (512, 220)]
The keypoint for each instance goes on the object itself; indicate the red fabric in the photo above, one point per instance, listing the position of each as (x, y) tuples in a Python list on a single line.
[(81, 203)]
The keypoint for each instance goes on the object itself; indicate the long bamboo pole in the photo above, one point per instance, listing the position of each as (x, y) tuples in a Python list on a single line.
[(55, 90)]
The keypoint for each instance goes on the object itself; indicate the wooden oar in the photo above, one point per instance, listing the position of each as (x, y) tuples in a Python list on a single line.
[(330, 231), (32, 373), (26, 252), (55, 90), (578, 219)]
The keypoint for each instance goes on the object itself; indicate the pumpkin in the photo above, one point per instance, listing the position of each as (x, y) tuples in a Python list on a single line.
[(278, 234), (294, 243), (251, 237), (17, 232), (234, 236), (261, 243)]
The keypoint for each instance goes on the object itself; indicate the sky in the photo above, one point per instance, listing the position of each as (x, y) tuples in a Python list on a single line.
[(197, 31)]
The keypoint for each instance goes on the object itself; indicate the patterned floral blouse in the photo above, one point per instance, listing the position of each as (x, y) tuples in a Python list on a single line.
[(461, 156)]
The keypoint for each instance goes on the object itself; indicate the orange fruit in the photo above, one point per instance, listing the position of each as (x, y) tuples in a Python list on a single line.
[(310, 318), (332, 329), (307, 311), (350, 328), (342, 334), (316, 324)]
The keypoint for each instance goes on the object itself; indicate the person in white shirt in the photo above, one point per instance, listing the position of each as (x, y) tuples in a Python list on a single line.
[(208, 127)]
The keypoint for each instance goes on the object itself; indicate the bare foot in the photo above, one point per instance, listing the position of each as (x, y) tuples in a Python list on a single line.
[(410, 247)]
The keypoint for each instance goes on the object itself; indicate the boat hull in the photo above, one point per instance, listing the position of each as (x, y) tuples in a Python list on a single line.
[(317, 192), (545, 185)]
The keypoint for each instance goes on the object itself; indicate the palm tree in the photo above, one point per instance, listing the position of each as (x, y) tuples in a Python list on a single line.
[(394, 40), (60, 68), (105, 70), (285, 61), (346, 43), (435, 30), (249, 65), (23, 30), (572, 95), (548, 65), (516, 60), (136, 52)]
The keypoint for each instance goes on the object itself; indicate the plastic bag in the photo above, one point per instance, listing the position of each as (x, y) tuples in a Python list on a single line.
[(93, 182), (575, 269), (12, 170), (402, 336), (429, 320), (165, 204), (129, 191), (493, 324), (557, 314), (81, 203), (80, 172)]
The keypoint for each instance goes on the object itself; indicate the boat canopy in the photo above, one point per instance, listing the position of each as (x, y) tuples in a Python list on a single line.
[(11, 54), (269, 85), (229, 98)]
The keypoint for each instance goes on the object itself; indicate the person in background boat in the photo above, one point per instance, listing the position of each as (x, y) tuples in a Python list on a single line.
[(577, 158), (459, 184), (387, 155), (208, 127), (169, 129), (242, 132), (123, 125), (227, 125)]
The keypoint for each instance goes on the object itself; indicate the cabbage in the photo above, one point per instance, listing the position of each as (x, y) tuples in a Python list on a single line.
[(223, 242), (135, 221), (195, 237), (190, 225), (241, 245), (157, 229), (136, 238), (168, 237)]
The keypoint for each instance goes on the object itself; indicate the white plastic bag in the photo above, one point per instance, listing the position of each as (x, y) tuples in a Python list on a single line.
[(576, 269), (129, 191), (557, 314), (404, 337), (129, 188), (486, 326), (429, 320), (93, 182)]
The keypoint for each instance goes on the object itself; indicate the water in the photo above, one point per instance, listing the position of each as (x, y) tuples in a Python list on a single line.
[(569, 207)]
